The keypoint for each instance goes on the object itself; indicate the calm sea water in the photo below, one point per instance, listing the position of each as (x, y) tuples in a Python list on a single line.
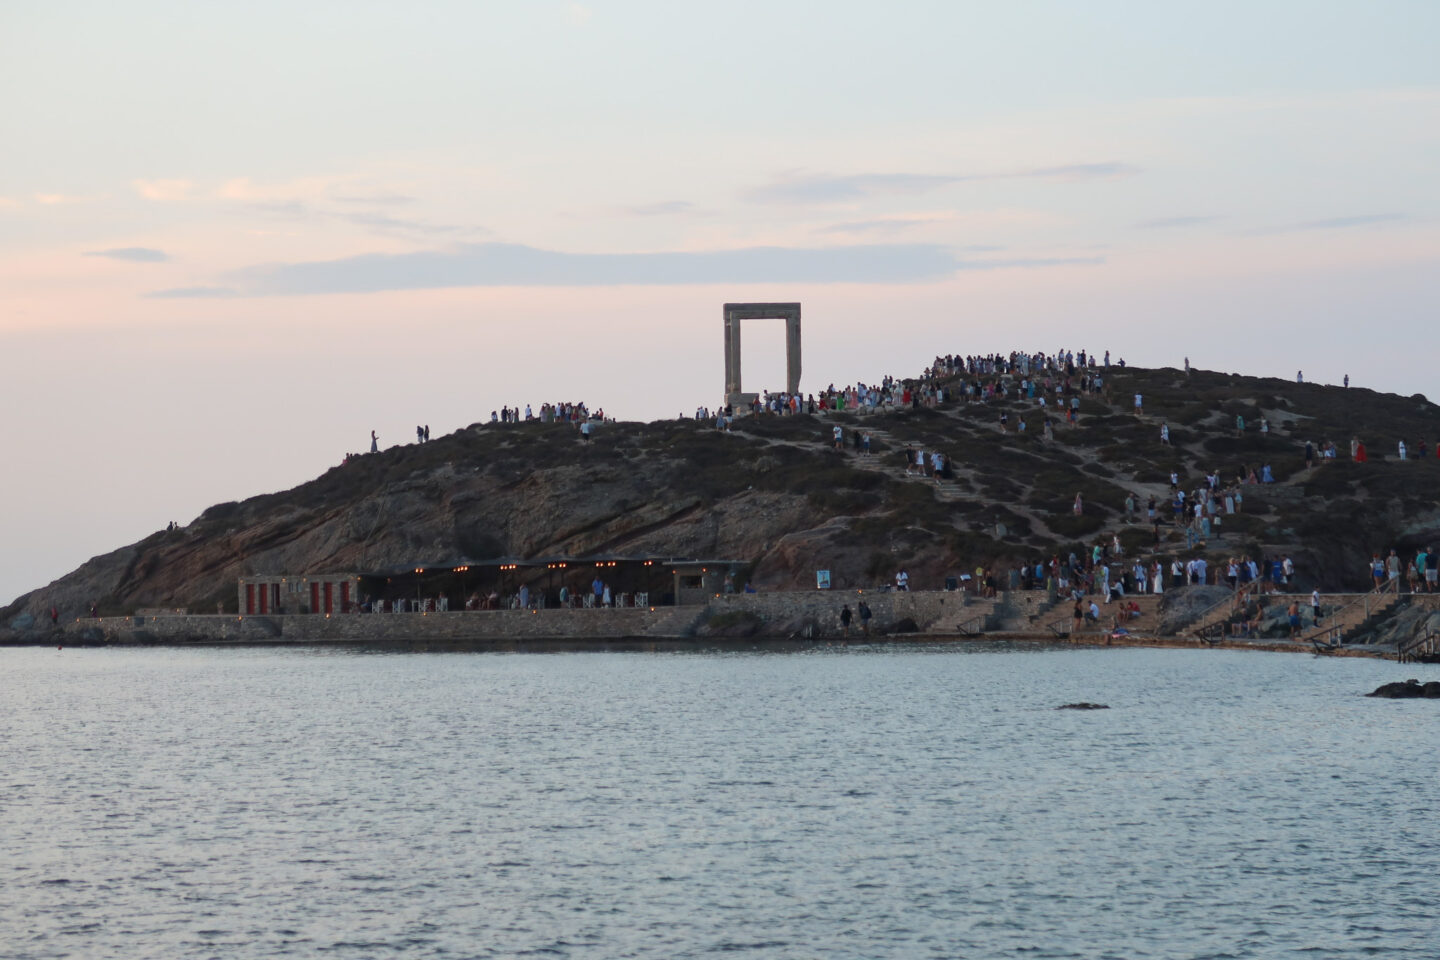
[(901, 802)]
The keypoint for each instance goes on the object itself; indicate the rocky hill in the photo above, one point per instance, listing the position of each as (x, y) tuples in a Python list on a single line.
[(775, 493)]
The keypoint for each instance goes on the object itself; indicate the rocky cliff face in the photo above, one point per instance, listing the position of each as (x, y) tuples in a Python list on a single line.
[(775, 493)]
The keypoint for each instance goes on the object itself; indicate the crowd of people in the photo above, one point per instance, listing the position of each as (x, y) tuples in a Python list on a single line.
[(549, 413)]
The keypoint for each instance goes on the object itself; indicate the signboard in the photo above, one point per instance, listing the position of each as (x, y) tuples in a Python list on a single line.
[(822, 579)]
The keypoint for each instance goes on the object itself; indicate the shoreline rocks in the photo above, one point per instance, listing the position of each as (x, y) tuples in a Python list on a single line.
[(1409, 690)]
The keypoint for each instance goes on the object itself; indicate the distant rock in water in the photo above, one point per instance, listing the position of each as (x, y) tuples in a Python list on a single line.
[(1409, 690), (1083, 705)]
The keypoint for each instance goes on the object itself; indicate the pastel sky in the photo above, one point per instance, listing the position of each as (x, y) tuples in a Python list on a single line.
[(234, 238)]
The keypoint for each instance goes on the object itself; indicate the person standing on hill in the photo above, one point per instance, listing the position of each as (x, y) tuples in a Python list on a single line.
[(1239, 425), (902, 581), (1377, 570), (374, 442), (1139, 405), (1315, 606), (1165, 434)]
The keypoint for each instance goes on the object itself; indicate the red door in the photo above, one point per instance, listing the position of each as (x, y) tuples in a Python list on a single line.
[(314, 598), (264, 598), (329, 599), (345, 597), (249, 598)]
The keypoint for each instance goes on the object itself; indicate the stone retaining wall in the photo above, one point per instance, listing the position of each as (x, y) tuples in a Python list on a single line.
[(934, 611), (382, 627)]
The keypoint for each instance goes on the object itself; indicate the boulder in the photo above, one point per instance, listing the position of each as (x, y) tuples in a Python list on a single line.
[(1409, 690)]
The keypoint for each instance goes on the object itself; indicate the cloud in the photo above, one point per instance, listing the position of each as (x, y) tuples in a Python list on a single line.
[(798, 188), (163, 191), (882, 225), (371, 219), (1031, 263), (132, 254), (1343, 223), (1332, 223), (7, 202), (385, 223), (57, 199), (192, 293), (380, 199), (828, 188), (893, 225), (661, 209), (1075, 172), (1165, 223), (248, 191), (577, 15), (512, 265), (294, 209)]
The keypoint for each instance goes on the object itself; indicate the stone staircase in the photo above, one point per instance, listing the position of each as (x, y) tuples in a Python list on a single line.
[(1147, 621), (1344, 615), (976, 617), (1363, 612), (1022, 611)]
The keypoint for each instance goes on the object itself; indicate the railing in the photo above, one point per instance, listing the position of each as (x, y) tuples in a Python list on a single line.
[(971, 627), (1369, 604), (1428, 644), (1211, 633), (1063, 628), (1233, 601)]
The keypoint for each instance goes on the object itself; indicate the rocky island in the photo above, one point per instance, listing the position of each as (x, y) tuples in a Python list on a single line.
[(1036, 482)]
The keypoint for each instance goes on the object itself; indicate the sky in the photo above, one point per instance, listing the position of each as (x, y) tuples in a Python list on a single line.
[(235, 238)]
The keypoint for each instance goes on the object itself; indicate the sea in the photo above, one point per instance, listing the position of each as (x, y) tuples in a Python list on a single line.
[(829, 802)]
